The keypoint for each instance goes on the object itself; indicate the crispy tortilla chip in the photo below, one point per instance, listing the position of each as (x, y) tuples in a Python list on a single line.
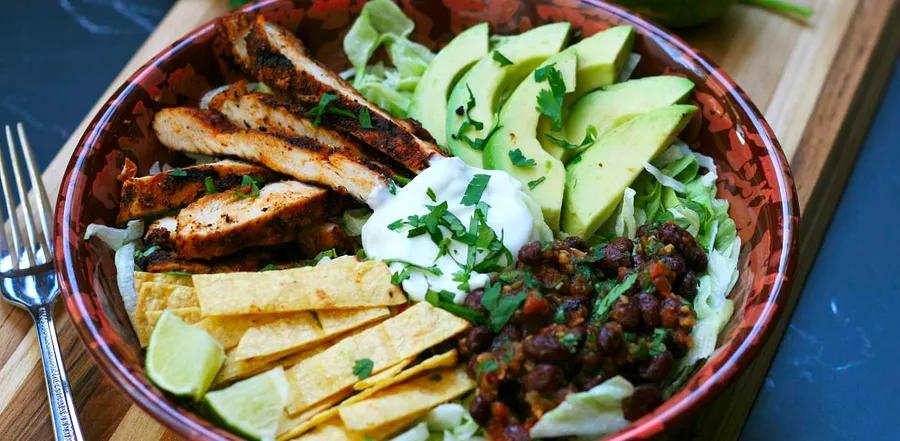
[(334, 430), (233, 370), (190, 314), (400, 401), (382, 376), (343, 283), (289, 427), (228, 330), (386, 344), (320, 412), (141, 277), (301, 330), (153, 296)]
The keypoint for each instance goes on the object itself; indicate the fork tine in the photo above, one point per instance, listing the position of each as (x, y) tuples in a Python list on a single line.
[(31, 247), (37, 185), (10, 207)]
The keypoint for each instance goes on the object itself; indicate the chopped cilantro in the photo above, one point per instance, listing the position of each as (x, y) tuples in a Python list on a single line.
[(269, 267), (210, 185), (431, 194), (658, 344), (533, 184), (444, 300), (362, 368), (589, 137), (325, 107), (148, 251), (392, 186), (550, 102), (178, 273), (500, 308), (501, 59), (519, 160), (365, 120), (178, 173), (603, 305), (398, 278), (570, 342), (488, 366), (475, 189), (332, 253), (433, 269), (249, 187), (402, 180)]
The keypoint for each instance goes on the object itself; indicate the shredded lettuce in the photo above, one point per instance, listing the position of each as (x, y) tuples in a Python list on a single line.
[(593, 413), (447, 422), (353, 220), (124, 241), (382, 22)]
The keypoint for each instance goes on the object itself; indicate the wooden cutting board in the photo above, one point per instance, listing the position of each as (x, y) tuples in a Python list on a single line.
[(818, 84)]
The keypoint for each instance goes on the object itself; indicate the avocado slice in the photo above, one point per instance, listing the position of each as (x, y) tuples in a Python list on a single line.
[(601, 57), (596, 179), (429, 101), (518, 120), (613, 105), (490, 79)]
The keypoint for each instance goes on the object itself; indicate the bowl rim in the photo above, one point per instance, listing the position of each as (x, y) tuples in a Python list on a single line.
[(653, 424)]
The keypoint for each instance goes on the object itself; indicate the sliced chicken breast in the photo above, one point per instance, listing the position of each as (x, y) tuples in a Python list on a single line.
[(157, 194), (277, 58), (223, 223), (303, 158)]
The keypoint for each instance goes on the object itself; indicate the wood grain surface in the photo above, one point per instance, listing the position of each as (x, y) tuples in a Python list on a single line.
[(818, 84)]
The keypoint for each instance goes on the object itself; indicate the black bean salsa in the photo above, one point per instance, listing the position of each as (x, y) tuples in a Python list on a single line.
[(570, 316)]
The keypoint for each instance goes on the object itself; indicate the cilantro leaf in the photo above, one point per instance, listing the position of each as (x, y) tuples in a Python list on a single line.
[(501, 59), (178, 173), (249, 187), (402, 180), (533, 184), (501, 308), (519, 160), (550, 102), (570, 342), (392, 186), (658, 344), (365, 120), (488, 365), (590, 136), (603, 305), (325, 107), (444, 300), (431, 194), (362, 368), (210, 185), (475, 189)]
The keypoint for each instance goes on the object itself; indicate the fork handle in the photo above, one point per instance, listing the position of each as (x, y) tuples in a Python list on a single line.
[(62, 406)]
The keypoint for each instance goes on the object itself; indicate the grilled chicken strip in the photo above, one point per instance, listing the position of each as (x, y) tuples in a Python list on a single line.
[(159, 240), (223, 223), (280, 60), (205, 132), (157, 194)]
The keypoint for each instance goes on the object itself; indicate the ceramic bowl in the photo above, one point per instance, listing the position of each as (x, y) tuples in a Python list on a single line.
[(753, 177)]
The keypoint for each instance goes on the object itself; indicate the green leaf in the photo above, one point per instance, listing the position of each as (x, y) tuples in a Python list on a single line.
[(178, 273), (325, 107), (392, 186), (603, 305), (475, 189), (519, 160), (249, 187), (444, 300), (362, 368), (178, 173), (500, 308), (269, 267), (533, 184), (431, 194), (488, 365), (365, 120), (589, 137), (210, 185), (550, 102), (501, 59)]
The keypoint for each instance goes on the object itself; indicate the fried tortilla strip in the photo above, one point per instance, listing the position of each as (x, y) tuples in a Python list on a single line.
[(156, 194), (305, 159), (278, 59), (287, 427), (229, 330), (190, 314), (383, 381), (386, 344), (382, 376), (223, 223), (302, 330), (158, 297), (342, 283), (333, 430), (141, 277), (400, 401)]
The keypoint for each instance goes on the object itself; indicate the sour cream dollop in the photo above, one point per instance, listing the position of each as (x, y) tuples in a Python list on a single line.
[(512, 215)]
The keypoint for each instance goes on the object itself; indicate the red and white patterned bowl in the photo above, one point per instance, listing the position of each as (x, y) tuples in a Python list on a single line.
[(753, 176)]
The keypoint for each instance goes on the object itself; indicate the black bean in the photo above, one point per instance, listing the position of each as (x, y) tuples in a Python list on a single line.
[(644, 399), (616, 254), (543, 378), (687, 286), (669, 312), (475, 340), (577, 243), (480, 409), (473, 300), (530, 253), (611, 337), (626, 313), (657, 367), (671, 233), (545, 348), (649, 307)]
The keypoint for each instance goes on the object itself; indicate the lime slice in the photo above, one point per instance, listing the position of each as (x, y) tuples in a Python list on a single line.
[(182, 359), (253, 407)]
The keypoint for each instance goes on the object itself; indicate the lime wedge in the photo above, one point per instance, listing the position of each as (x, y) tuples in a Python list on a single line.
[(182, 359), (253, 407)]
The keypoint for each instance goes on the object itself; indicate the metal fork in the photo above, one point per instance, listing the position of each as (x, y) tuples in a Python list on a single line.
[(28, 278)]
